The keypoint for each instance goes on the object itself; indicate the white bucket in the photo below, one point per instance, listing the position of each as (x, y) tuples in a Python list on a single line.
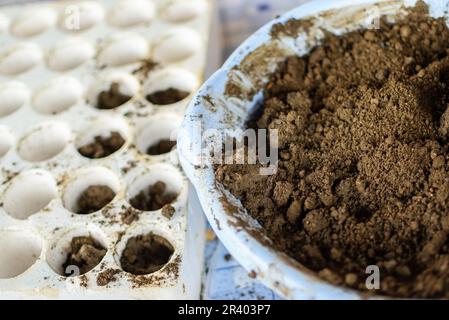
[(216, 107)]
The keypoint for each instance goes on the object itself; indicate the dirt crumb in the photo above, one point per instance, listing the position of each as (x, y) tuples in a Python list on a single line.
[(107, 276), (168, 211), (145, 254), (85, 254), (153, 198), (363, 176), (94, 198), (129, 215), (102, 147)]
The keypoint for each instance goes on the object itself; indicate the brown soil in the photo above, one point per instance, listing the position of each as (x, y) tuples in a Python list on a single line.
[(94, 198), (145, 68), (162, 147), (85, 253), (102, 147), (363, 175), (130, 215), (168, 211), (112, 98), (107, 276), (168, 96), (153, 198), (146, 254)]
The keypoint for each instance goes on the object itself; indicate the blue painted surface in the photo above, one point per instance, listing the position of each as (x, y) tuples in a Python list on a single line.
[(226, 279)]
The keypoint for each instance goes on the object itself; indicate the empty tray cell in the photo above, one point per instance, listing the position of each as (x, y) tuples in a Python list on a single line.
[(6, 140), (33, 22), (113, 89), (20, 250), (13, 95), (103, 137), (90, 189), (122, 50), (169, 86), (69, 54), (159, 186), (58, 95), (128, 13), (179, 11), (157, 136), (81, 16), (145, 253), (176, 45), (77, 250), (29, 193), (44, 141), (19, 58)]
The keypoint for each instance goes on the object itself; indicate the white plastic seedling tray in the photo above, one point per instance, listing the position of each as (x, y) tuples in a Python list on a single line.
[(55, 58)]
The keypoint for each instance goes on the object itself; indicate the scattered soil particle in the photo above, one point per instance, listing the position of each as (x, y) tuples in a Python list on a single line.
[(161, 147), (227, 257), (112, 98), (168, 211), (153, 198), (102, 147), (9, 175), (145, 68), (84, 281), (129, 166), (85, 253), (130, 215), (94, 198), (363, 175), (145, 254), (168, 96), (107, 276)]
